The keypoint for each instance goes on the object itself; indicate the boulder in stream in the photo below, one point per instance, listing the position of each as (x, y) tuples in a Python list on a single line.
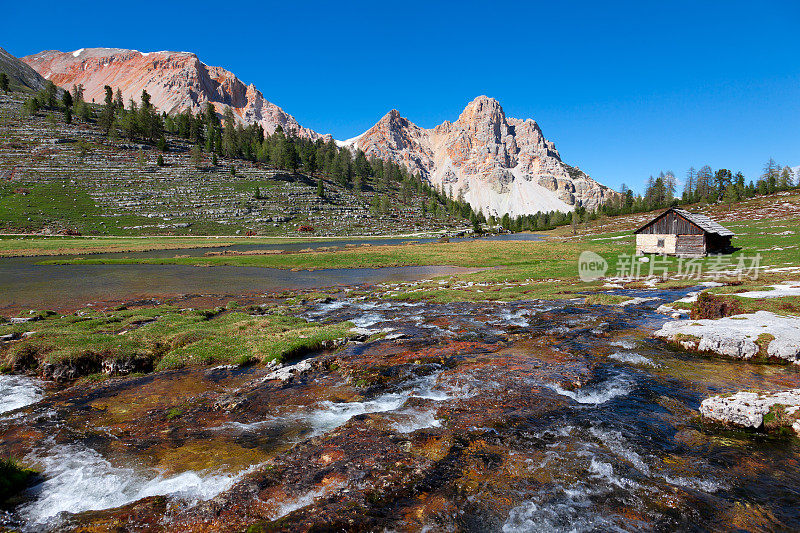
[(755, 410), (761, 335)]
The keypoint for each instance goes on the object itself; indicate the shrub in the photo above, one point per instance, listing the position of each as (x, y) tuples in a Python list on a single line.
[(710, 306)]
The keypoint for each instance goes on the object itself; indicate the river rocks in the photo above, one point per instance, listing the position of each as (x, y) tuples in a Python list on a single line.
[(755, 410), (758, 335), (126, 365), (71, 369), (478, 419), (673, 312)]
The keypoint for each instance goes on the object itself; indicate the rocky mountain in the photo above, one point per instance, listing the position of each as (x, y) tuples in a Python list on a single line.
[(20, 75), (499, 164), (175, 81)]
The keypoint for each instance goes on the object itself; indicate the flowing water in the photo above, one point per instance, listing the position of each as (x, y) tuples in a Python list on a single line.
[(18, 391), (528, 416)]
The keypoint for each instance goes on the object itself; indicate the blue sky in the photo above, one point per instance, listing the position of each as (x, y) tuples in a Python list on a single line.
[(625, 89)]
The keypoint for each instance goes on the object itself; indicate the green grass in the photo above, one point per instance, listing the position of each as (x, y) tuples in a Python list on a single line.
[(35, 205), (514, 270), (165, 337)]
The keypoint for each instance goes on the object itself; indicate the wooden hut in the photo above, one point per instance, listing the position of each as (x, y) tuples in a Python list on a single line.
[(678, 232)]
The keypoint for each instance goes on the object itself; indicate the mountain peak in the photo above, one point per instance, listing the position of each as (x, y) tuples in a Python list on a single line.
[(391, 117), (483, 100), (19, 73), (175, 81), (483, 110), (500, 165)]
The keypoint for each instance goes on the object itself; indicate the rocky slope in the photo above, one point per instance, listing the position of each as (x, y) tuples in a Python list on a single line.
[(500, 164), (175, 81), (20, 75)]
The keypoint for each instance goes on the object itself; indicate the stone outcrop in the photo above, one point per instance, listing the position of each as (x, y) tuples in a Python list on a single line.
[(754, 410), (758, 335), (175, 80), (498, 164)]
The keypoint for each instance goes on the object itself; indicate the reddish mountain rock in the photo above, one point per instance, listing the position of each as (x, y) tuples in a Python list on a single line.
[(175, 80)]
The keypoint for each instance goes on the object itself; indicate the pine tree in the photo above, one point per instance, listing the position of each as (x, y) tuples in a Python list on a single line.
[(66, 99), (31, 106), (671, 185), (107, 116), (689, 187), (77, 92), (785, 179), (197, 155), (50, 93), (722, 179), (771, 175), (4, 82), (229, 147), (362, 169), (704, 177)]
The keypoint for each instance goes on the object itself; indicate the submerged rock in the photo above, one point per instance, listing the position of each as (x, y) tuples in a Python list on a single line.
[(760, 334), (755, 410)]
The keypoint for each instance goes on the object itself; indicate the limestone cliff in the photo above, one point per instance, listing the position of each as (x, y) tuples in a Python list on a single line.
[(499, 164)]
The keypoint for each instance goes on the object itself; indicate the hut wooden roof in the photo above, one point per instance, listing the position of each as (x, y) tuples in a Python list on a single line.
[(701, 221)]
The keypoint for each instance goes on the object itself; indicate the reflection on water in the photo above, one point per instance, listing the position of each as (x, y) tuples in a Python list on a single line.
[(24, 284)]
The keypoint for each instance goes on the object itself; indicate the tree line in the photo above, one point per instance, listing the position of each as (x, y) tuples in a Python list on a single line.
[(705, 185)]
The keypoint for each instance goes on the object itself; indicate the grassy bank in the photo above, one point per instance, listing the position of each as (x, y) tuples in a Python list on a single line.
[(159, 338), (14, 478), (36, 245)]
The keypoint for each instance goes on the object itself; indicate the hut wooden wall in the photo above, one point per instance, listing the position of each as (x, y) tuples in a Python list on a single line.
[(694, 245)]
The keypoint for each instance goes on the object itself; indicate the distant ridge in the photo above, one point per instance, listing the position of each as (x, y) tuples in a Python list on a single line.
[(21, 76)]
